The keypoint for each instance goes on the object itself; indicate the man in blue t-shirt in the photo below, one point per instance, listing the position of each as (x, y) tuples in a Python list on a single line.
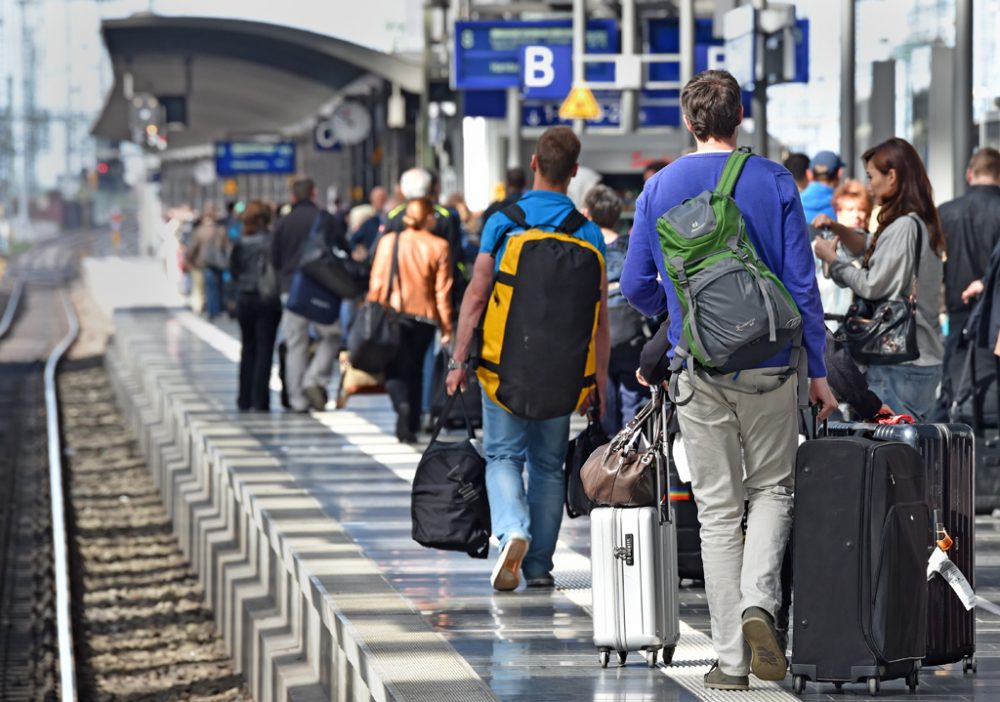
[(527, 522), (825, 172), (740, 444)]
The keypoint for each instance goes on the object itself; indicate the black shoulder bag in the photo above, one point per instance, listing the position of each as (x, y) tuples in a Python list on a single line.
[(884, 332), (331, 267), (373, 341)]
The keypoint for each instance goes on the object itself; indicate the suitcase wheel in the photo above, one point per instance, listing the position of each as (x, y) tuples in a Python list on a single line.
[(604, 656), (799, 684), (969, 663), (874, 686), (667, 654), (913, 680), (651, 657), (622, 656)]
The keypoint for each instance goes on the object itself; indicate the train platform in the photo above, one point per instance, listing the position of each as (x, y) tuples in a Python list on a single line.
[(298, 527)]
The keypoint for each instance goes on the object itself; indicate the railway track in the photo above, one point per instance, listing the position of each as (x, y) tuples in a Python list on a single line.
[(79, 517), (35, 614)]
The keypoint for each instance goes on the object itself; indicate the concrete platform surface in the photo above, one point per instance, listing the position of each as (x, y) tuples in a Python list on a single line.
[(299, 526)]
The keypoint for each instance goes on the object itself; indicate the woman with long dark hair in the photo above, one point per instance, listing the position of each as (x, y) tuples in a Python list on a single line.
[(907, 219), (258, 318)]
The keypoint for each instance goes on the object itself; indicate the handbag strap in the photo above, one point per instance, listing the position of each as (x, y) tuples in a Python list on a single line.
[(920, 249), (446, 411), (394, 272)]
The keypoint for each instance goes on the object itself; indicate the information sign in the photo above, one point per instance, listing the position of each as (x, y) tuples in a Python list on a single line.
[(487, 54), (236, 157)]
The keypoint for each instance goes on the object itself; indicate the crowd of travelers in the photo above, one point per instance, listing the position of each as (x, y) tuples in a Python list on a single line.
[(430, 274)]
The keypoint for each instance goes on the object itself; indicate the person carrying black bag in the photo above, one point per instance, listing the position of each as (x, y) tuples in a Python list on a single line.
[(258, 317), (411, 274), (307, 378), (902, 267)]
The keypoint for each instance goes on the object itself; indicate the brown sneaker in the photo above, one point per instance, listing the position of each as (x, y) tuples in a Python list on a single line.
[(767, 657), (507, 572), (715, 679)]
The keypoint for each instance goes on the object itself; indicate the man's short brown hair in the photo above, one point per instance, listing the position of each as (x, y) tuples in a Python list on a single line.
[(986, 162), (711, 101), (556, 154)]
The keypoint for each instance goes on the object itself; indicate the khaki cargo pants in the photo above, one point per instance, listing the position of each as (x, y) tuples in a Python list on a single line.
[(740, 447)]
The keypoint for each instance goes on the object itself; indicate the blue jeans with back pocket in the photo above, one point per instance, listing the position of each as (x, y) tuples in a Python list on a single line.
[(907, 389)]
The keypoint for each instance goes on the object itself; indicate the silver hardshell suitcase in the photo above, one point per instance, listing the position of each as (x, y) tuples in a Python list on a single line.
[(634, 574)]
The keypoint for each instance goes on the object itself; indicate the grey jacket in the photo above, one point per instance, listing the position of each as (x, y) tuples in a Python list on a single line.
[(889, 274)]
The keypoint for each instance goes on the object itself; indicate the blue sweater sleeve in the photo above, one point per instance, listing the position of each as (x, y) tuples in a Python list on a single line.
[(799, 274), (639, 282)]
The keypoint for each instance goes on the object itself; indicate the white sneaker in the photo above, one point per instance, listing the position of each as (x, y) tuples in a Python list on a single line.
[(507, 572)]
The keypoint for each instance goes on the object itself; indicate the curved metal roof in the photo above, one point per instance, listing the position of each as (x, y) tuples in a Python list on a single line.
[(239, 77)]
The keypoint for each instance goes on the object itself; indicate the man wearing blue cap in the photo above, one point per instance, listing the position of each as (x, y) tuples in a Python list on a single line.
[(824, 172)]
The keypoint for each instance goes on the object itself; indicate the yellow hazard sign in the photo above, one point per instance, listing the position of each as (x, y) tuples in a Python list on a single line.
[(580, 104)]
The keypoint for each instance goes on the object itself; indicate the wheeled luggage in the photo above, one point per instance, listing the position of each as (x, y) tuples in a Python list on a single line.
[(634, 568), (862, 539), (987, 470), (947, 453), (685, 513)]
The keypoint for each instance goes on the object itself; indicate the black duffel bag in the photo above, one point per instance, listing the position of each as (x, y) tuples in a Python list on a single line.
[(331, 267), (449, 506), (580, 448), (373, 341)]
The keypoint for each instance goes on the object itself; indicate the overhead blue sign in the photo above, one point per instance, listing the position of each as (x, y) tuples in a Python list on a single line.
[(488, 54), (546, 72), (237, 157)]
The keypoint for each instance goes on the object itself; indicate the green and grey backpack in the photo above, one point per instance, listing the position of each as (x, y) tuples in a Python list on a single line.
[(737, 313)]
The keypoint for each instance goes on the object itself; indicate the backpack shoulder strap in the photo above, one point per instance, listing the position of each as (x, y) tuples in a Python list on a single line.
[(516, 215), (574, 220), (731, 171)]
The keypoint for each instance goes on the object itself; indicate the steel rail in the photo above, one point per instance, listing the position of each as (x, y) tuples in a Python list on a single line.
[(11, 309), (60, 552)]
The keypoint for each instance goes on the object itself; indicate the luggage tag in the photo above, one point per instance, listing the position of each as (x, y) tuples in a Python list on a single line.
[(942, 565)]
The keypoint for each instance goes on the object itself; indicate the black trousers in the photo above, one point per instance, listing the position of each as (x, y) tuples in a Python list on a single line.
[(258, 330), (404, 376)]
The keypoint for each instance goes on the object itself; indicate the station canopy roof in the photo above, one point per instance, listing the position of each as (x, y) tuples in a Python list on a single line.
[(240, 78)]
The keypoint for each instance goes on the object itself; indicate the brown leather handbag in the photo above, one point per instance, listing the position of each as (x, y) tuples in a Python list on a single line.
[(621, 473)]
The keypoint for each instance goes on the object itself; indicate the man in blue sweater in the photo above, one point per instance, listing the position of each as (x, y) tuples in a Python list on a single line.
[(740, 445)]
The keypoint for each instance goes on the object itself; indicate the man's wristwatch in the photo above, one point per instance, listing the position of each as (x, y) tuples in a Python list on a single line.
[(457, 365)]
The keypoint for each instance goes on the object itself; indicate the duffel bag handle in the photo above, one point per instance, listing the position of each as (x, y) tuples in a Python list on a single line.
[(446, 412)]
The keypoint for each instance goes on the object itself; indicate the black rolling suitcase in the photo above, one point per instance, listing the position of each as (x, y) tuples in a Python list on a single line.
[(689, 563), (862, 531), (987, 442), (947, 453)]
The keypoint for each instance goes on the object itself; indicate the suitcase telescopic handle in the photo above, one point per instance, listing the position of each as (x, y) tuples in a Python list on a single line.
[(659, 422)]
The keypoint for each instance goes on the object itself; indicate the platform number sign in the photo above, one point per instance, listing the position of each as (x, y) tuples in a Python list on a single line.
[(546, 71)]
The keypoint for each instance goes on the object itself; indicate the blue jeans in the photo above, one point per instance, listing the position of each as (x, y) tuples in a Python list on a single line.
[(213, 292), (906, 389), (535, 512)]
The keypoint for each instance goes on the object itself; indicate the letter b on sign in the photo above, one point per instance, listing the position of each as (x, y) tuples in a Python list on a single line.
[(538, 70), (546, 71)]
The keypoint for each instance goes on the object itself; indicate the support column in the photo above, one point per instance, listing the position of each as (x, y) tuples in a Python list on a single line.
[(962, 102), (848, 99), (513, 127), (687, 53), (579, 49), (759, 101)]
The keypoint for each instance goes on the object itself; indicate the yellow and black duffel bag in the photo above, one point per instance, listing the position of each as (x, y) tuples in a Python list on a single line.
[(536, 353)]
